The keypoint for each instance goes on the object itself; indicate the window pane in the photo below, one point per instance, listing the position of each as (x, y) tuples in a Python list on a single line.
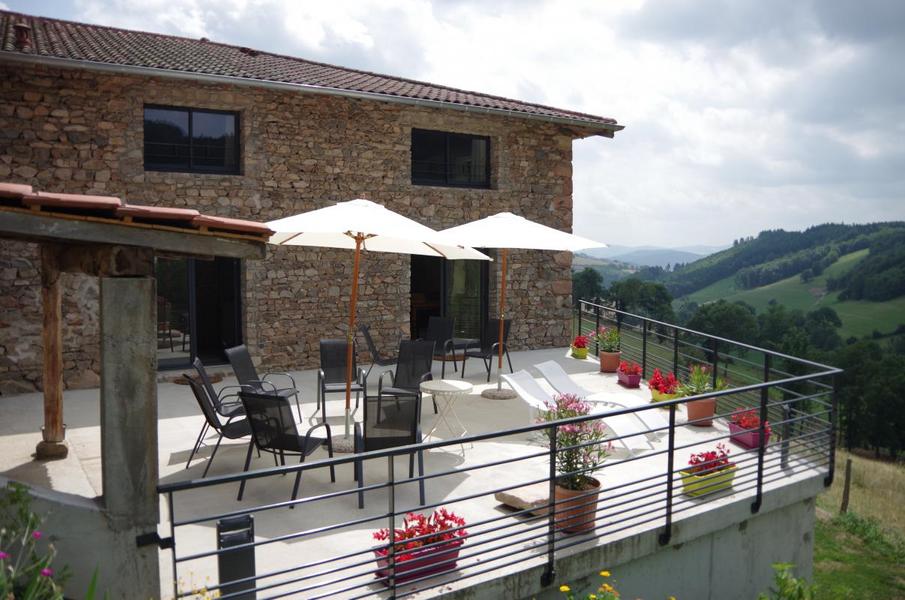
[(428, 157), (213, 141), (467, 160), (166, 138)]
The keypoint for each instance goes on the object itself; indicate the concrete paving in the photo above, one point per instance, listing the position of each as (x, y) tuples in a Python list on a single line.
[(627, 511)]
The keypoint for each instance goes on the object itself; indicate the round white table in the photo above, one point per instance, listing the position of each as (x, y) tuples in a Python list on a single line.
[(447, 390)]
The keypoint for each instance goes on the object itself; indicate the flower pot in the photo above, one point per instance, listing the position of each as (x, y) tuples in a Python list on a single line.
[(700, 412), (579, 353), (748, 438), (657, 396), (631, 381), (576, 510), (609, 361), (427, 561), (699, 484)]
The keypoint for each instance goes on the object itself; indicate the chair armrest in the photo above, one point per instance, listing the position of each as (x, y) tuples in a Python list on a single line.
[(220, 395), (380, 381), (282, 374), (362, 378), (358, 440), (448, 347), (263, 384), (323, 424), (320, 377), (426, 377), (494, 349)]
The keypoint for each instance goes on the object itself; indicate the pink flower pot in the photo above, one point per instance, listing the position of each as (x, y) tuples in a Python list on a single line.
[(631, 381), (421, 562), (748, 438)]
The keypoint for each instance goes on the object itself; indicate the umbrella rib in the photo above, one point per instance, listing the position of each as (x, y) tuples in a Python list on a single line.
[(290, 238), (435, 249)]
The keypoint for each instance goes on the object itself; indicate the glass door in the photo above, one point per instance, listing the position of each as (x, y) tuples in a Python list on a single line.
[(466, 296), (174, 340)]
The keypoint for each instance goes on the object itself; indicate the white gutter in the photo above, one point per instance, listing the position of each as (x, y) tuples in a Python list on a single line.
[(604, 129)]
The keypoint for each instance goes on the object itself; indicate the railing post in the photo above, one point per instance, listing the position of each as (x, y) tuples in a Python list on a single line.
[(667, 530), (580, 310), (834, 407), (597, 328), (549, 573), (716, 362), (762, 447), (644, 349), (675, 351), (391, 510)]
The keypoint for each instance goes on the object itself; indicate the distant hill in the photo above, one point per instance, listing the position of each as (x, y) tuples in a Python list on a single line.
[(657, 257), (611, 270)]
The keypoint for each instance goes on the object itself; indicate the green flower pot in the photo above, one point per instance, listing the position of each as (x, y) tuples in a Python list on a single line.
[(579, 353), (708, 483), (656, 396)]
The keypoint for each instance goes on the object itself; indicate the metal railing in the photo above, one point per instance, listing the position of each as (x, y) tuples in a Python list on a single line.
[(324, 548)]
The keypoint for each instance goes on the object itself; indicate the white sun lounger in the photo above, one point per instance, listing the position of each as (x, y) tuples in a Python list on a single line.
[(557, 377), (534, 395)]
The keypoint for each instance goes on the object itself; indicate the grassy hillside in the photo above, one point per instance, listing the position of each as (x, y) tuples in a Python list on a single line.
[(611, 270), (858, 317)]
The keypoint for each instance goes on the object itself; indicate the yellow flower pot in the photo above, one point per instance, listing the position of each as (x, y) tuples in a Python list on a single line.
[(579, 353), (708, 483), (656, 396)]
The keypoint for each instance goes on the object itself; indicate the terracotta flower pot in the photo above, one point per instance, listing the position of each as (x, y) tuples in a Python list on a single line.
[(700, 412), (576, 510), (427, 561), (579, 353), (609, 361), (700, 484), (630, 381), (748, 438)]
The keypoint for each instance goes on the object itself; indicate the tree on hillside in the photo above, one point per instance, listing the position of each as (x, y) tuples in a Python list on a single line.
[(644, 298), (587, 284), (821, 326), (733, 320)]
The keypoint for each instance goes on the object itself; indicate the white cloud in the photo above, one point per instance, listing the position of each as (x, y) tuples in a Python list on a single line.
[(740, 115)]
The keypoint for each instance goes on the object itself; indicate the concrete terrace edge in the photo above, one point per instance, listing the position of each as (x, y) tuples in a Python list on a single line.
[(585, 560)]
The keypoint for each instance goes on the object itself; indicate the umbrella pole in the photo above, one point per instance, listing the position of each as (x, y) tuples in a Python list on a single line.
[(359, 238), (499, 393)]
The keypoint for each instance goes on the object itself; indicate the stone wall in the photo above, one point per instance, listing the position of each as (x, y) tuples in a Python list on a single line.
[(81, 131)]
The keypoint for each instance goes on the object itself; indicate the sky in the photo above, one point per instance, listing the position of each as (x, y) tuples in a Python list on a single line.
[(740, 115)]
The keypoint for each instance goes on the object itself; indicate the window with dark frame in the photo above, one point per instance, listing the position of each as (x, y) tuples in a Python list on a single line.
[(450, 159), (191, 140)]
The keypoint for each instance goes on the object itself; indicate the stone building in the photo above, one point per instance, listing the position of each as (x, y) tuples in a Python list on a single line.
[(236, 132)]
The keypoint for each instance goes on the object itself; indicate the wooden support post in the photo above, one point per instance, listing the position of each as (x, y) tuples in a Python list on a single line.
[(846, 487), (53, 445)]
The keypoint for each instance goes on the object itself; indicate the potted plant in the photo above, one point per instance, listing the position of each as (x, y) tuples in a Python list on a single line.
[(709, 471), (629, 374), (575, 492), (424, 546), (580, 347), (663, 388), (700, 412), (608, 343), (744, 427)]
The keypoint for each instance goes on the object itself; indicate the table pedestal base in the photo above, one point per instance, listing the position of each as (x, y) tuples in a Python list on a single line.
[(501, 394)]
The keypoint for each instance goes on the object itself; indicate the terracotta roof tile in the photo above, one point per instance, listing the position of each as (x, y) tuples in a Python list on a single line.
[(54, 38)]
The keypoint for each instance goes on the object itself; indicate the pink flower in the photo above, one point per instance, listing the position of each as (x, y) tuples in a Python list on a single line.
[(36, 535), (46, 572), (3, 555)]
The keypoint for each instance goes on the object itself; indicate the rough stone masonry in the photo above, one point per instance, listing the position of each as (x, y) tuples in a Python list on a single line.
[(80, 131)]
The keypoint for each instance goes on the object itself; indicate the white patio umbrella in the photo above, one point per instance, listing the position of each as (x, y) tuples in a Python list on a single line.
[(507, 231), (363, 225)]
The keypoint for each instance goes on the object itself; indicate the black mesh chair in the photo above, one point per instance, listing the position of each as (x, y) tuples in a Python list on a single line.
[(389, 426), (376, 358), (489, 350), (414, 366), (440, 331), (247, 375), (226, 401), (331, 377), (232, 430), (273, 430)]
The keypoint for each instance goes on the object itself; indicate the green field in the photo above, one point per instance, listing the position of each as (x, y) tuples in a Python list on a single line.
[(859, 317)]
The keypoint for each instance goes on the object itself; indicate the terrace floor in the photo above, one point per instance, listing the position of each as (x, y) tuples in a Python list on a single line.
[(180, 421)]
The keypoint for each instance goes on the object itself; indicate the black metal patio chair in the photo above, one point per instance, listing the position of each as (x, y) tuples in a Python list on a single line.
[(376, 358), (226, 401), (233, 429), (413, 367), (274, 431), (331, 377), (248, 378), (392, 425), (489, 350), (440, 331)]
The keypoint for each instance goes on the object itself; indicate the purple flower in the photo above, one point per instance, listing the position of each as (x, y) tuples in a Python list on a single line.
[(46, 572), (36, 535), (3, 555)]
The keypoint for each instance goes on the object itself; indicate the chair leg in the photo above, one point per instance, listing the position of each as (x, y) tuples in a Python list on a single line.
[(510, 361), (443, 369), (361, 494), (245, 470), (421, 474), (411, 465), (434, 400), (197, 444), (489, 365), (464, 358), (298, 407), (330, 454), (210, 461), (298, 479)]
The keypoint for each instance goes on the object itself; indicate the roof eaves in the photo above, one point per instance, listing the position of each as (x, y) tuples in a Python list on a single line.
[(604, 128)]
